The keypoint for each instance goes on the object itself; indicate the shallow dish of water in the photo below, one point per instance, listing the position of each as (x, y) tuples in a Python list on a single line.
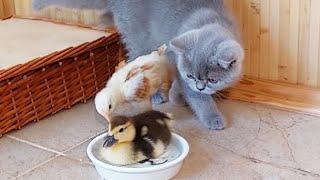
[(164, 167)]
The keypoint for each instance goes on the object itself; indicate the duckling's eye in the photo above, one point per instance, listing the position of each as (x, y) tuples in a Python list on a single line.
[(121, 130), (110, 106)]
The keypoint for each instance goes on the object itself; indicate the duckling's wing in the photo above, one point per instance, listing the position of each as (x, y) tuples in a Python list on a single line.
[(170, 120)]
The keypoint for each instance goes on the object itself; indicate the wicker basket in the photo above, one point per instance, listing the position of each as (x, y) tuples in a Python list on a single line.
[(46, 85)]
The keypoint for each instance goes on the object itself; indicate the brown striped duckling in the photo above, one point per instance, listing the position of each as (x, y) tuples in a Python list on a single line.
[(137, 139)]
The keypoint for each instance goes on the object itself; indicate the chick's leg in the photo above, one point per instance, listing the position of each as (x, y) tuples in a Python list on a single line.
[(159, 97)]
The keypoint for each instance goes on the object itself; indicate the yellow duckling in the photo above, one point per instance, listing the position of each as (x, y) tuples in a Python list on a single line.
[(136, 139)]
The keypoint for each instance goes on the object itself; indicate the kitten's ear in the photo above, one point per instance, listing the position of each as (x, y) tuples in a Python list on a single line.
[(183, 42), (229, 53)]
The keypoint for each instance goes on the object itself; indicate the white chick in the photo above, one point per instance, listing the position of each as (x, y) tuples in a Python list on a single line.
[(130, 88)]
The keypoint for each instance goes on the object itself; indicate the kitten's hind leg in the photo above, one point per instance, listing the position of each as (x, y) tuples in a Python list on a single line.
[(205, 108)]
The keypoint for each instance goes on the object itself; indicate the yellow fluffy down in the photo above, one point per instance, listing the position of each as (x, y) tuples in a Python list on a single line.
[(124, 154), (121, 154)]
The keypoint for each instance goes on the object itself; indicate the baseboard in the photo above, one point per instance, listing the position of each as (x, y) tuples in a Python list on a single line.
[(281, 95), (6, 9)]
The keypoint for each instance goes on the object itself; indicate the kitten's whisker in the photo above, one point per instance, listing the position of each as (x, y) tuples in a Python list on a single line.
[(220, 96)]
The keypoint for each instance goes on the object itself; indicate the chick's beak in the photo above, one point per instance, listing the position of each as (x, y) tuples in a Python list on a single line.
[(110, 140), (107, 117)]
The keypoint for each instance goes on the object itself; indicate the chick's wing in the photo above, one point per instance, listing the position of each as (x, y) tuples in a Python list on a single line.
[(137, 87)]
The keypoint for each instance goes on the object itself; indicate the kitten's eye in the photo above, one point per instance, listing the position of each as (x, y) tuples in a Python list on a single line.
[(213, 81), (121, 130), (232, 63), (190, 76), (110, 106)]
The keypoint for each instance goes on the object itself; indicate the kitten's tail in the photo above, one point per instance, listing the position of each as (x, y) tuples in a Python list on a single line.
[(77, 4)]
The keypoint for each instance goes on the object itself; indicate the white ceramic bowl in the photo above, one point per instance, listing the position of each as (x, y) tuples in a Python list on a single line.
[(157, 172)]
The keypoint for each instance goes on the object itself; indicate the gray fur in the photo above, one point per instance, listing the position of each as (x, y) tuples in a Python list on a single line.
[(106, 19), (79, 4), (203, 43)]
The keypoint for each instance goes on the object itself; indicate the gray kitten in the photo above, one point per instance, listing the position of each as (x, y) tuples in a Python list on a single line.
[(203, 43)]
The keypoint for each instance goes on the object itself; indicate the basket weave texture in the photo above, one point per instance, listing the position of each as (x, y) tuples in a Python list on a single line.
[(46, 85)]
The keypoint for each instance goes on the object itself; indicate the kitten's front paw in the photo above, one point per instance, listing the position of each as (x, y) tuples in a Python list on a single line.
[(159, 98), (215, 123)]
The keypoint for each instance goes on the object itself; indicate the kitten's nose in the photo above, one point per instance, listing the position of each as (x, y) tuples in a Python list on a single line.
[(200, 85)]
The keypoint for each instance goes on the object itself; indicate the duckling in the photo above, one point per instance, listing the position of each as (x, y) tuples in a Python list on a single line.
[(136, 82), (136, 139)]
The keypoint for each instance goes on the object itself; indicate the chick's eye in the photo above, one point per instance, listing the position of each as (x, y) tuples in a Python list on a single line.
[(110, 106), (190, 76), (213, 80), (121, 130)]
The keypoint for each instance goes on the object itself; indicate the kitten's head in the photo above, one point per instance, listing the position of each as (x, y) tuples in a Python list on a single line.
[(208, 59)]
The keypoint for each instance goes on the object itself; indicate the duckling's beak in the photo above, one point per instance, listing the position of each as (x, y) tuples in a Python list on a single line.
[(110, 140)]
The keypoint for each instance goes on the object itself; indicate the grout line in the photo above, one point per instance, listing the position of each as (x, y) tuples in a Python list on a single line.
[(35, 145), (37, 166), (58, 154), (79, 160), (3, 172), (255, 160), (52, 150), (79, 144), (49, 160), (84, 141)]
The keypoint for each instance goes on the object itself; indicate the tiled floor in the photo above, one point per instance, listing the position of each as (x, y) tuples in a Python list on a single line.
[(259, 143)]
